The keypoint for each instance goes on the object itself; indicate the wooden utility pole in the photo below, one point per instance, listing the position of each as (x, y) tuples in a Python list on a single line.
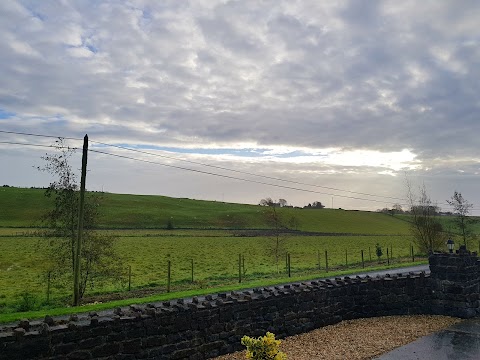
[(78, 249)]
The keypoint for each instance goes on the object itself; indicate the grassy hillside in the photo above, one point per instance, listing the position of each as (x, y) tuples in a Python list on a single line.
[(24, 207)]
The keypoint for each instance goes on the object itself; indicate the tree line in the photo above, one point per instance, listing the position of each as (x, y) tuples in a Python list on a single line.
[(268, 201)]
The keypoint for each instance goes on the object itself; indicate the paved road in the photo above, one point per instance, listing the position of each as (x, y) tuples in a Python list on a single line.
[(404, 270), (460, 342)]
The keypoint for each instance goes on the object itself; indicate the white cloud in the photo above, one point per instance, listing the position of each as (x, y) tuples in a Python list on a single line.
[(368, 78)]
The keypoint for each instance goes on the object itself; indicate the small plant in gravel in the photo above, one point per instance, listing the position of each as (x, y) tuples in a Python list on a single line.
[(263, 348)]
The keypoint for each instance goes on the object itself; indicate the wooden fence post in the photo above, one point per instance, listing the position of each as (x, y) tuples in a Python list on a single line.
[(192, 268), (48, 286), (169, 264), (239, 268), (129, 277), (289, 268)]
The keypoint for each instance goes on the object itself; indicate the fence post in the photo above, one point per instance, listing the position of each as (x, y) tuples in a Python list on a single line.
[(129, 277), (346, 257), (326, 261), (192, 268), (243, 265), (413, 255), (388, 258), (239, 268), (48, 286), (391, 251), (369, 254), (363, 262), (168, 275), (289, 269)]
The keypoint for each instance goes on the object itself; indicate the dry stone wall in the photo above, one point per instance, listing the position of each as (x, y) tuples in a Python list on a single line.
[(204, 327)]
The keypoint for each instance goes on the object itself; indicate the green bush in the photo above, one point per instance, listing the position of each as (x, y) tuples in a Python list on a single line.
[(263, 348), (26, 302), (378, 250)]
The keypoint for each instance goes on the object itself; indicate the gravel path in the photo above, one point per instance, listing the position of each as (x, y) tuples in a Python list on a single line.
[(358, 339)]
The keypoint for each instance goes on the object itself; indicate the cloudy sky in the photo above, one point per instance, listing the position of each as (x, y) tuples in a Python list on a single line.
[(331, 101)]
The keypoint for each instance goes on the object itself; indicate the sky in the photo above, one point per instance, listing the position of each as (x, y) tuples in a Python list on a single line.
[(331, 101)]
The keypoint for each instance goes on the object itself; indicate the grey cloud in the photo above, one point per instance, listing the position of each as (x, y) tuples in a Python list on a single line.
[(383, 75)]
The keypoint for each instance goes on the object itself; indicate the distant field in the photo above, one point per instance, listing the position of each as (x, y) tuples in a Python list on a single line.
[(24, 208)]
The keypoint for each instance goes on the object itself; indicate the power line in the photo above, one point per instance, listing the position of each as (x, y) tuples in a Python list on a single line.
[(39, 135), (245, 172), (241, 179), (207, 165), (216, 167), (33, 145), (233, 177), (200, 171)]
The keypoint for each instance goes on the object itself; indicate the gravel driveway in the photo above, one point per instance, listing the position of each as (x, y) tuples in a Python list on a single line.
[(358, 339)]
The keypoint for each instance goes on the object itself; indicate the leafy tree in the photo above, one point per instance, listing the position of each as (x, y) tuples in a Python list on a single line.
[(317, 205), (267, 202), (98, 260), (282, 202), (397, 208), (461, 210), (426, 229)]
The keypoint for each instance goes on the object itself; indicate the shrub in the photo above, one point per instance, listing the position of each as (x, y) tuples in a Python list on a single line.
[(26, 302), (263, 348), (378, 250)]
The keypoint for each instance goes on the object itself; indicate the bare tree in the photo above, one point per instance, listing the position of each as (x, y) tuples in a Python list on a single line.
[(425, 227), (276, 246), (461, 210)]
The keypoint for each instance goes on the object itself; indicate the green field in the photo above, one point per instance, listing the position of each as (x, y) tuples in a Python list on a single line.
[(24, 207), (215, 259), (211, 234)]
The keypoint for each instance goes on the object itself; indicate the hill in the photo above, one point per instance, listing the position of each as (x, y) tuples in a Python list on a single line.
[(21, 207)]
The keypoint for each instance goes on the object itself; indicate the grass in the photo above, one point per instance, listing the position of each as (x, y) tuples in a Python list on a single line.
[(24, 207), (11, 317), (205, 231), (214, 254)]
